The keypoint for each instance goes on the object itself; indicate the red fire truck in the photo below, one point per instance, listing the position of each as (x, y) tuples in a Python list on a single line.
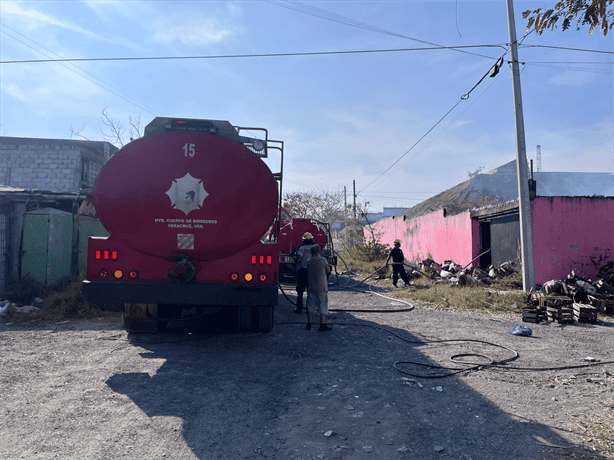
[(193, 215), (291, 237)]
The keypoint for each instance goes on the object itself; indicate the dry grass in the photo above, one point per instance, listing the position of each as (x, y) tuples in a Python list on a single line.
[(503, 297), (598, 427), (64, 300)]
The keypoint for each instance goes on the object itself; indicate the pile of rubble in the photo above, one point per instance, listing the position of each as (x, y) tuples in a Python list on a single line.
[(456, 275), (8, 309), (573, 299)]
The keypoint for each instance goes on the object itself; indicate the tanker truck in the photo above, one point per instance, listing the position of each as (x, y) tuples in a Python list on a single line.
[(193, 215), (291, 237)]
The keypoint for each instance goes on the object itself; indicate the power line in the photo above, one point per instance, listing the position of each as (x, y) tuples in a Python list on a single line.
[(463, 98), (568, 49), (329, 16), (133, 101), (235, 56)]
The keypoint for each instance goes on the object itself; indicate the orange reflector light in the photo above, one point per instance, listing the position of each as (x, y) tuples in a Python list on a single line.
[(234, 277), (249, 277), (253, 259), (261, 260), (133, 274), (114, 255), (103, 273), (262, 277), (97, 255), (269, 259), (118, 274)]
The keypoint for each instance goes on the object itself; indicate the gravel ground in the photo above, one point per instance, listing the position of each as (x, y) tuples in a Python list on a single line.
[(88, 390)]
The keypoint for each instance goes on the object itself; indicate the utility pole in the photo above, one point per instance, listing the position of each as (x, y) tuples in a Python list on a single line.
[(354, 185), (345, 206), (524, 204)]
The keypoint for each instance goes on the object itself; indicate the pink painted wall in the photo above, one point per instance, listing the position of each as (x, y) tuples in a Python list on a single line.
[(445, 238), (571, 233)]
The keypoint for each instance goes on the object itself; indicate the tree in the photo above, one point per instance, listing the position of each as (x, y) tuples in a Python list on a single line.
[(113, 131), (595, 13), (324, 206)]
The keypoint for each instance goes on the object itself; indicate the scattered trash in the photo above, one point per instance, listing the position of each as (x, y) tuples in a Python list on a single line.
[(592, 360), (439, 388), (521, 330), (27, 309), (439, 449), (329, 433), (403, 449), (367, 448)]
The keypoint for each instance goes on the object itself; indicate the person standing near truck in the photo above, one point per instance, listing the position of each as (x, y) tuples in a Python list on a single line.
[(317, 292), (398, 259), (302, 280)]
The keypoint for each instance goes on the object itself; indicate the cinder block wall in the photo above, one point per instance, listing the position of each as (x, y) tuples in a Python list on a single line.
[(51, 164)]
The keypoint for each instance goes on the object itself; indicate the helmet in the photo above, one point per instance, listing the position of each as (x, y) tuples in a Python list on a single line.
[(307, 236), (397, 241)]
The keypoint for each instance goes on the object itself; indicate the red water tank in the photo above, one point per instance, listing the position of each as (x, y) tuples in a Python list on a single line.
[(186, 193)]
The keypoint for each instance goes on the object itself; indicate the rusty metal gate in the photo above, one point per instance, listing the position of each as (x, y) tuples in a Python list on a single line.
[(4, 250)]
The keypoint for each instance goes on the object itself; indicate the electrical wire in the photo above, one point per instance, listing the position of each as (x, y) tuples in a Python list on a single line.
[(130, 99), (235, 56), (568, 49), (464, 97), (329, 16)]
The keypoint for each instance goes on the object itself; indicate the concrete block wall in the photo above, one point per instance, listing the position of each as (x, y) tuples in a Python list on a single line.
[(51, 164)]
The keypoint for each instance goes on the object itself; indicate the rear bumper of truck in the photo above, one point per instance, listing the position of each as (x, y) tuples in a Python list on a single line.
[(190, 294)]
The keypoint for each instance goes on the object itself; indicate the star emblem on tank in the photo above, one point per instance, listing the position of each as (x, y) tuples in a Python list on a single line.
[(187, 194)]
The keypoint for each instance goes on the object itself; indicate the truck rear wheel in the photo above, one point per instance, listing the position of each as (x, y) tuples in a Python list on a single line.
[(245, 316), (265, 318)]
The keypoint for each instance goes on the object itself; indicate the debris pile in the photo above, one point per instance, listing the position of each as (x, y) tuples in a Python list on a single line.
[(8, 309), (573, 299), (456, 275)]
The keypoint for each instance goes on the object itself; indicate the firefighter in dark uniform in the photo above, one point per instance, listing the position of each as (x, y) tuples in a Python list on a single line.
[(397, 264)]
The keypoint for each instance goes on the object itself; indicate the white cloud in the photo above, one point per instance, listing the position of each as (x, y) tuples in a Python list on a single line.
[(31, 20), (189, 31), (35, 19), (572, 78)]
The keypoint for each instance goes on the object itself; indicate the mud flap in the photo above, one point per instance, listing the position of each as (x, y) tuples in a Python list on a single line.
[(141, 317)]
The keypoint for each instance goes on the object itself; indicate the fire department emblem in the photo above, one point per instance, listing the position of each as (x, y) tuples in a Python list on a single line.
[(187, 194)]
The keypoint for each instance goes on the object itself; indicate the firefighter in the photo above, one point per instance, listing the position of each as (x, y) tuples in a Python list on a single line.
[(303, 256), (397, 264)]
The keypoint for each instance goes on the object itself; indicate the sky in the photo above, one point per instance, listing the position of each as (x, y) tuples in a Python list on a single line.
[(397, 123)]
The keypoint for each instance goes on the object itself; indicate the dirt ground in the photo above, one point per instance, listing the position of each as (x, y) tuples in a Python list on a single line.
[(88, 390)]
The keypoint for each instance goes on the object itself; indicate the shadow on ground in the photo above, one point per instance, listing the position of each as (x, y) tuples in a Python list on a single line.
[(278, 395)]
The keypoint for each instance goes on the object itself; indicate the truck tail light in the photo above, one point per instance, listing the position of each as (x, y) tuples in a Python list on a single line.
[(249, 277), (261, 259), (269, 259), (105, 255), (262, 277), (234, 277), (103, 273), (254, 259), (118, 274)]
